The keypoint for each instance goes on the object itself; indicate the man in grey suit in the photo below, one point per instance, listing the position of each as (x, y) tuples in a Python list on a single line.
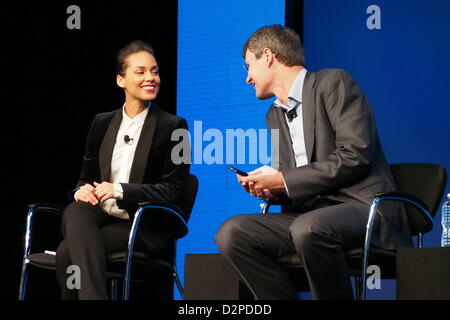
[(330, 165)]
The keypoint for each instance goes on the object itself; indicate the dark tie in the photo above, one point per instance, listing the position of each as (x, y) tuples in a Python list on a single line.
[(292, 114)]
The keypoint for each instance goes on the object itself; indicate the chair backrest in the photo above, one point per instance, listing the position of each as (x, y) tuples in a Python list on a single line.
[(425, 181), (190, 194)]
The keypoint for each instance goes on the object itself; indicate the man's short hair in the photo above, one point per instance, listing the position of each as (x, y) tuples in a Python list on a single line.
[(285, 43)]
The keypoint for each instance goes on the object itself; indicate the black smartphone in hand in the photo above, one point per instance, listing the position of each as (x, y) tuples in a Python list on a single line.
[(240, 172)]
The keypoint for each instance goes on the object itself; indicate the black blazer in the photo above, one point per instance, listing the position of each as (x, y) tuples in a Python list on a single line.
[(153, 176)]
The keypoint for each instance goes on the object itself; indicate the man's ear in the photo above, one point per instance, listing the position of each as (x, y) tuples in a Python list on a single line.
[(268, 55), (120, 81)]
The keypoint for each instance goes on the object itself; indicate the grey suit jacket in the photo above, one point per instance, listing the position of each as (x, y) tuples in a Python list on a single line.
[(345, 160)]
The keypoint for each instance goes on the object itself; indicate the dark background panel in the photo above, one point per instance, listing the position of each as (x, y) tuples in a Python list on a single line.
[(54, 81)]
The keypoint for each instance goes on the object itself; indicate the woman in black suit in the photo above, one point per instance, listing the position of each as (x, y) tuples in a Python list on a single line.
[(127, 160)]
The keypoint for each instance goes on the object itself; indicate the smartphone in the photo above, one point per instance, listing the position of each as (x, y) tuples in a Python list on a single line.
[(240, 172)]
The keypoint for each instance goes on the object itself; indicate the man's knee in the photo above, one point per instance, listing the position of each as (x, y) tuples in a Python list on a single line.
[(309, 233), (230, 233)]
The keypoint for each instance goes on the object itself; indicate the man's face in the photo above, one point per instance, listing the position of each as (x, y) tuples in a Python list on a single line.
[(258, 75)]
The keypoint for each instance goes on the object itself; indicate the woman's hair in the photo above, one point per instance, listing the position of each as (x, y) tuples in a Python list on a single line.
[(282, 41), (131, 48)]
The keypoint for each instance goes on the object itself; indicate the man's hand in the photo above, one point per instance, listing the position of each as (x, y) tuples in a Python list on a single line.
[(104, 191), (86, 194), (264, 182)]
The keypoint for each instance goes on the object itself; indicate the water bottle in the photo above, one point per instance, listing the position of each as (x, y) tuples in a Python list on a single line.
[(445, 239)]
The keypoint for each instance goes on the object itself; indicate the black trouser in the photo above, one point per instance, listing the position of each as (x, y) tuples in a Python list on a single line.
[(90, 235), (252, 243)]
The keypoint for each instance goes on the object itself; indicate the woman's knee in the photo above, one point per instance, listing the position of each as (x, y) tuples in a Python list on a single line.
[(78, 213)]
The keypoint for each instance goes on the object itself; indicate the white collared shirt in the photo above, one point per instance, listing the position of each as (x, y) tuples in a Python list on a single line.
[(122, 160)]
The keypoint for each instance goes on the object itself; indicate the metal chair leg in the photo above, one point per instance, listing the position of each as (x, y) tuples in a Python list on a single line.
[(358, 288), (114, 289), (26, 253), (23, 280), (178, 283), (264, 207), (129, 255)]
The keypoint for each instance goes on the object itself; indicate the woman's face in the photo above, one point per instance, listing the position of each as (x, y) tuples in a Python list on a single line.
[(141, 80)]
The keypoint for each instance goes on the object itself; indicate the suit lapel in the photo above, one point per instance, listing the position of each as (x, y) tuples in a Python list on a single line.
[(277, 120), (144, 145), (107, 146), (309, 113)]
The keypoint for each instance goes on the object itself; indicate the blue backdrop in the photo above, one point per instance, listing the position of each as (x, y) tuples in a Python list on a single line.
[(403, 68), (212, 89)]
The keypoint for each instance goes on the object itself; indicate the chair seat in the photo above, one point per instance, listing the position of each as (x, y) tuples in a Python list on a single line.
[(43, 260), (48, 261), (385, 259)]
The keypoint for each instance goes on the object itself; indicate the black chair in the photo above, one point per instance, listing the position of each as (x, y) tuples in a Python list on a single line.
[(157, 213), (421, 188)]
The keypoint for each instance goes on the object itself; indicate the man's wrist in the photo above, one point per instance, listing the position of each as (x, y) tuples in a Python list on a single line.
[(284, 183)]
